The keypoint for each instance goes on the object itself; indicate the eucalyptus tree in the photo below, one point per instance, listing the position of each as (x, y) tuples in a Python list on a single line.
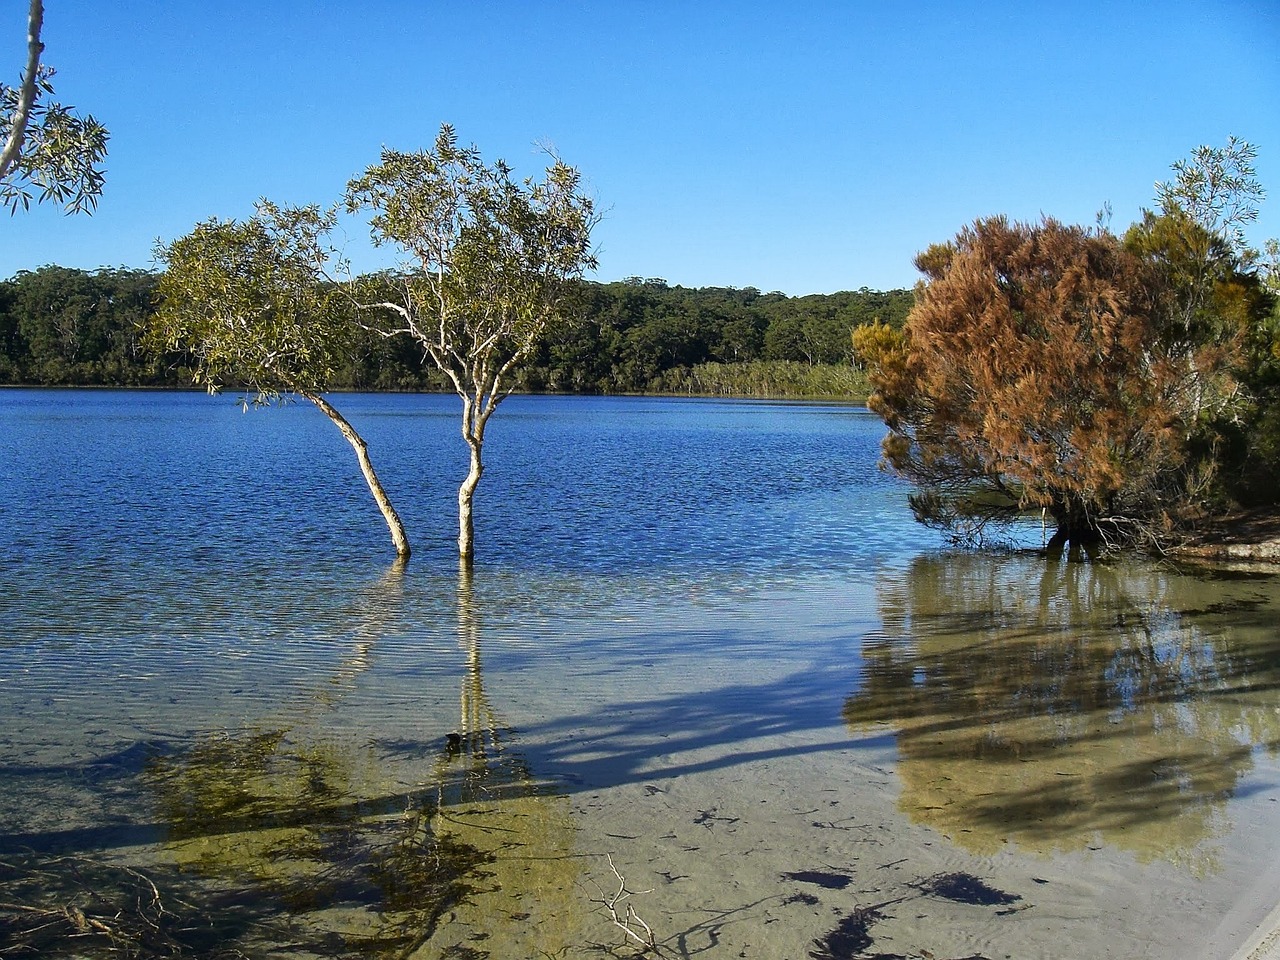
[(1219, 304), (250, 303), (488, 264), (1197, 236), (1219, 189), (47, 149)]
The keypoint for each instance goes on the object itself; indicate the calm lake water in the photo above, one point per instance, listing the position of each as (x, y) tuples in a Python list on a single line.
[(706, 667)]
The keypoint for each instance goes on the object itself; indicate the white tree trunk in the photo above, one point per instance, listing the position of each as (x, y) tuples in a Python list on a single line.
[(26, 93), (370, 475), (466, 494)]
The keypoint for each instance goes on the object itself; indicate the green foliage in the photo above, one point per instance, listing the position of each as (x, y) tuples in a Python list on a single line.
[(487, 273), (615, 338), (879, 344), (769, 379), (1218, 189), (815, 329), (1189, 262), (1269, 267), (1220, 292), (61, 157), (636, 337), (63, 326), (49, 153), (248, 302), (487, 260)]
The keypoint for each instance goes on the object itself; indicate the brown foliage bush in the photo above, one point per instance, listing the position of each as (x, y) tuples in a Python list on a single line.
[(1034, 373)]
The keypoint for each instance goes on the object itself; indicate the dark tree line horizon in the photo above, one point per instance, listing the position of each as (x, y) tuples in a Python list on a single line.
[(63, 326)]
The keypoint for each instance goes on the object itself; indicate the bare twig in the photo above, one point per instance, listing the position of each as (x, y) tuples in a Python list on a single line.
[(629, 923)]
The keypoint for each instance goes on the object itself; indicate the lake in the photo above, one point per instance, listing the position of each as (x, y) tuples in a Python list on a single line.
[(707, 683)]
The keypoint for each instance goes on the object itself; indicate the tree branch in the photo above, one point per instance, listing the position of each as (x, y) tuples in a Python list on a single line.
[(27, 94)]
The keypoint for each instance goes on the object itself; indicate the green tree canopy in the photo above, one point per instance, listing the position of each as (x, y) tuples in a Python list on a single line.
[(64, 326), (248, 302)]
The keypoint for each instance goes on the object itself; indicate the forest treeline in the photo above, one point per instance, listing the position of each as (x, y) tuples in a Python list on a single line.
[(61, 326)]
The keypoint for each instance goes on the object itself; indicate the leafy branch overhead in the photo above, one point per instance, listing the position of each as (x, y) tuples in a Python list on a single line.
[(50, 154)]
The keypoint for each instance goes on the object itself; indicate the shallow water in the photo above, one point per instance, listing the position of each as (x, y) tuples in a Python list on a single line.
[(704, 645)]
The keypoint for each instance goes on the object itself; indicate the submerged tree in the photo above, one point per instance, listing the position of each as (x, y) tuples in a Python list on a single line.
[(1031, 375), (488, 268), (248, 302), (47, 149)]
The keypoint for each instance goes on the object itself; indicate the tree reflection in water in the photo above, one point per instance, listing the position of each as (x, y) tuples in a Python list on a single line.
[(1063, 705), (479, 854)]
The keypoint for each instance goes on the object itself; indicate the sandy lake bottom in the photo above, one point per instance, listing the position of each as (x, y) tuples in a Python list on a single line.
[(826, 767)]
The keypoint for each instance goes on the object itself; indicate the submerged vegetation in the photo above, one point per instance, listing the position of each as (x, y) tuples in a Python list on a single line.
[(279, 837), (270, 842)]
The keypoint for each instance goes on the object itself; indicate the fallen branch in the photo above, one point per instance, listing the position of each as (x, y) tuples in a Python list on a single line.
[(630, 923)]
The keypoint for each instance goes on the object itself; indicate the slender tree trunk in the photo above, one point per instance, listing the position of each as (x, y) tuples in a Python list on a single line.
[(466, 494), (26, 93), (370, 475)]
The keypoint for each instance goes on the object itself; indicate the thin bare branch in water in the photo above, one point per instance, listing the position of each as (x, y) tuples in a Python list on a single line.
[(629, 923)]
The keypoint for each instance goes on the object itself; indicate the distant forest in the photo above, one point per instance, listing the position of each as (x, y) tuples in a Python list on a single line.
[(60, 326)]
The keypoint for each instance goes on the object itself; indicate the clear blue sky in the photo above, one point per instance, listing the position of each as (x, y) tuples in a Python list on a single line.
[(805, 147)]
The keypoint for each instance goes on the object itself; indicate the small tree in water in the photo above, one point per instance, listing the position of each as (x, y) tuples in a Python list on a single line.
[(1110, 384), (246, 300), (488, 264), (1028, 375)]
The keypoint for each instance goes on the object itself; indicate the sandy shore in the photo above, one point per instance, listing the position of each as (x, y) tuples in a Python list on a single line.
[(806, 851), (757, 865), (1254, 939), (1264, 944)]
